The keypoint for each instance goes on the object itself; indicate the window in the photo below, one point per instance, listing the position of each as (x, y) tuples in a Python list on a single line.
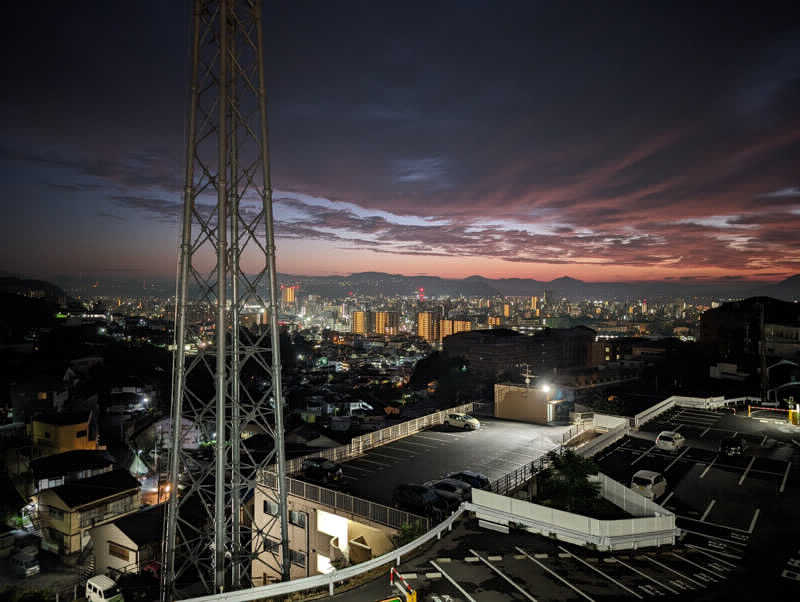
[(47, 434), (298, 519), (270, 545), (80, 434), (42, 395), (297, 557), (118, 551), (270, 507), (56, 513)]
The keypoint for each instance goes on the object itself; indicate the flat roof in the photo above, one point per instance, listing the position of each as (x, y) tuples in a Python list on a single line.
[(497, 448)]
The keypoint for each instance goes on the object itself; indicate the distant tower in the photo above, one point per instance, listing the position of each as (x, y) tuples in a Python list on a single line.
[(226, 376)]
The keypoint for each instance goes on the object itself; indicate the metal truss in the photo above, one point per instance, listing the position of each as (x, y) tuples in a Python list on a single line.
[(226, 363)]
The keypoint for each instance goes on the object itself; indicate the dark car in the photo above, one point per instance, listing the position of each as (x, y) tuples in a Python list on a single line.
[(452, 490), (732, 447), (420, 499), (473, 479), (322, 470)]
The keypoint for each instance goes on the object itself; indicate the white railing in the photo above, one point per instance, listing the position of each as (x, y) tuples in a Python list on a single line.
[(344, 502), (367, 441), (627, 499), (653, 411), (608, 438), (336, 576), (657, 529), (705, 403)]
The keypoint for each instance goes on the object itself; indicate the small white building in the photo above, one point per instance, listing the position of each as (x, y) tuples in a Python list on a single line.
[(129, 543)]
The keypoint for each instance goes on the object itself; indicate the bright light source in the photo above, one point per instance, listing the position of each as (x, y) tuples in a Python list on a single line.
[(546, 388)]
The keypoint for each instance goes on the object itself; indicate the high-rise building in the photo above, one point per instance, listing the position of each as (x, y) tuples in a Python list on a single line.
[(387, 322), (428, 326), (449, 327), (358, 322), (506, 310), (534, 303), (494, 321), (288, 294)]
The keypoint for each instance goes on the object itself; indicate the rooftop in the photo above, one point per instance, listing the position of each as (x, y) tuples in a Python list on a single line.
[(85, 491), (81, 459), (63, 418), (145, 526)]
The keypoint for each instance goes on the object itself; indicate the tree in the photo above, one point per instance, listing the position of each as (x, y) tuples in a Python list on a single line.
[(566, 483), (408, 533)]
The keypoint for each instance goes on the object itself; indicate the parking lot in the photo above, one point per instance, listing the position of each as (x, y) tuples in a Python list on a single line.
[(474, 564), (495, 449), (738, 509)]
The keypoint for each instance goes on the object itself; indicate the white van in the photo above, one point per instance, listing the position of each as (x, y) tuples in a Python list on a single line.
[(650, 484), (102, 589), (25, 562), (670, 441)]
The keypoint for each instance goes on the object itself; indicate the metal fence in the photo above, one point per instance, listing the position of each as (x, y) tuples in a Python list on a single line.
[(344, 502), (518, 478), (367, 441)]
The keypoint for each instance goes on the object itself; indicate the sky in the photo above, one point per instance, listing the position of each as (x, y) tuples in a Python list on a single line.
[(604, 141)]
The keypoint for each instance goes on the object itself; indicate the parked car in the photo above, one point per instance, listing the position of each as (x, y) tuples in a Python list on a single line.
[(648, 483), (322, 470), (419, 499), (670, 441), (448, 487), (474, 479), (732, 446), (462, 421), (101, 588), (25, 563)]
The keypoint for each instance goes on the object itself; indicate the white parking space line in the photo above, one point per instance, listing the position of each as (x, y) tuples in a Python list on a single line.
[(795, 442), (747, 470), (350, 465), (678, 458), (755, 518), (709, 466), (382, 455), (594, 568), (426, 436), (708, 553), (453, 582), (666, 499), (679, 574), (715, 538), (347, 476), (735, 434), (763, 441), (785, 476), (703, 434), (699, 566), (646, 576), (371, 461), (708, 510), (404, 442), (697, 520), (554, 574), (504, 576), (643, 455)]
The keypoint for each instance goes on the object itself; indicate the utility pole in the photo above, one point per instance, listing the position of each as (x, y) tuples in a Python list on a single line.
[(226, 365)]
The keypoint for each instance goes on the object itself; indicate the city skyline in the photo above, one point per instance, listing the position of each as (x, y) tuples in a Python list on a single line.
[(600, 143)]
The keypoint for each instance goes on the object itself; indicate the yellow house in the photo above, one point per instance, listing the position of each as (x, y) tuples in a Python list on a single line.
[(54, 433), (68, 512)]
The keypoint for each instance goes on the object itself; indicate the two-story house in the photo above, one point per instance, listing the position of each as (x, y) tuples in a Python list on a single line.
[(58, 432), (129, 543), (69, 511)]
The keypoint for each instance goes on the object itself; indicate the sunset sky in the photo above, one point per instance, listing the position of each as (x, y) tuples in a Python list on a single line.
[(598, 140)]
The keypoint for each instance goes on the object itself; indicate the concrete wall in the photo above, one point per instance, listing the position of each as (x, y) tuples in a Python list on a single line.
[(527, 404), (104, 561), (577, 529)]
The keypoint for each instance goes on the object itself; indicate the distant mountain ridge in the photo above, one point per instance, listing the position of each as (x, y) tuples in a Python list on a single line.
[(377, 283), (380, 283)]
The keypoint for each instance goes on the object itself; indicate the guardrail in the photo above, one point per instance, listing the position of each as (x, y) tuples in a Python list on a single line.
[(598, 444), (367, 441), (391, 517), (657, 529), (706, 403), (336, 576), (517, 478)]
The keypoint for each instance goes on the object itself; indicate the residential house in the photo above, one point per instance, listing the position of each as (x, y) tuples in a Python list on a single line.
[(129, 543), (54, 433), (57, 469), (69, 511)]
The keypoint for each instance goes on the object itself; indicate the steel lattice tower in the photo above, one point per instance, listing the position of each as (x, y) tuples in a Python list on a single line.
[(226, 364)]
